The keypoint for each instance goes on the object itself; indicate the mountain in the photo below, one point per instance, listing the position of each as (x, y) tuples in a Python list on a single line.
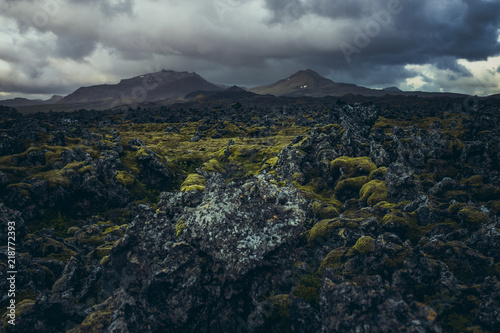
[(153, 87), (392, 89), (309, 83), (231, 93), (27, 102)]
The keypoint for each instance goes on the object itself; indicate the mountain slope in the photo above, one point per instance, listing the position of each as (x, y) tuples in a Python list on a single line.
[(151, 87), (27, 102), (309, 83)]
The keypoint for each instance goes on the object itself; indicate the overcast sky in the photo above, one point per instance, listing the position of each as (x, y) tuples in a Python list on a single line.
[(55, 46)]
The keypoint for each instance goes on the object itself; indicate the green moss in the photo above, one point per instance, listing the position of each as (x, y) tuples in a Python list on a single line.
[(194, 182), (350, 187), (278, 316), (385, 205), (20, 308), (404, 225), (179, 226), (308, 289), (379, 173), (95, 322), (83, 238), (56, 177), (324, 211), (363, 246), (124, 178), (129, 161), (455, 207), (373, 192), (60, 222), (86, 168), (396, 261), (115, 230), (474, 181), (55, 250), (352, 166), (333, 259), (321, 230), (72, 231), (494, 207), (212, 166), (104, 260), (74, 165), (472, 217), (142, 152), (103, 250), (487, 192), (298, 177), (270, 163)]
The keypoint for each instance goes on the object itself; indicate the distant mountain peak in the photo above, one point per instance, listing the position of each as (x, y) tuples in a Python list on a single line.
[(151, 87), (235, 89), (392, 89)]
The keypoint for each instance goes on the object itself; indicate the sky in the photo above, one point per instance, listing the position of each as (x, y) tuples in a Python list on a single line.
[(56, 46)]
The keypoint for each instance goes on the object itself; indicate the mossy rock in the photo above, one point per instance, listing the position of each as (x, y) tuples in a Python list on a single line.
[(379, 173), (333, 260), (308, 289), (472, 217), (454, 208), (103, 250), (83, 238), (179, 227), (494, 207), (20, 308), (194, 182), (142, 152), (373, 192), (298, 177), (487, 192), (350, 187), (56, 177), (279, 313), (212, 165), (403, 224), (55, 250), (352, 166), (396, 261), (72, 231), (104, 260), (474, 181), (116, 230), (125, 178), (321, 230), (272, 162), (324, 211), (96, 321), (385, 205), (363, 246)]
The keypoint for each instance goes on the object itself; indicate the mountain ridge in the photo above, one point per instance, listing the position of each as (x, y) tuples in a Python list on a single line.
[(169, 86)]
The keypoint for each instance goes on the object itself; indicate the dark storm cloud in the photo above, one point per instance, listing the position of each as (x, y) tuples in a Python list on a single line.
[(422, 30), (74, 47), (450, 63), (250, 41)]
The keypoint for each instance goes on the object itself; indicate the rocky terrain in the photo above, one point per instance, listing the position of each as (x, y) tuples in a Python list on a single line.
[(255, 215)]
